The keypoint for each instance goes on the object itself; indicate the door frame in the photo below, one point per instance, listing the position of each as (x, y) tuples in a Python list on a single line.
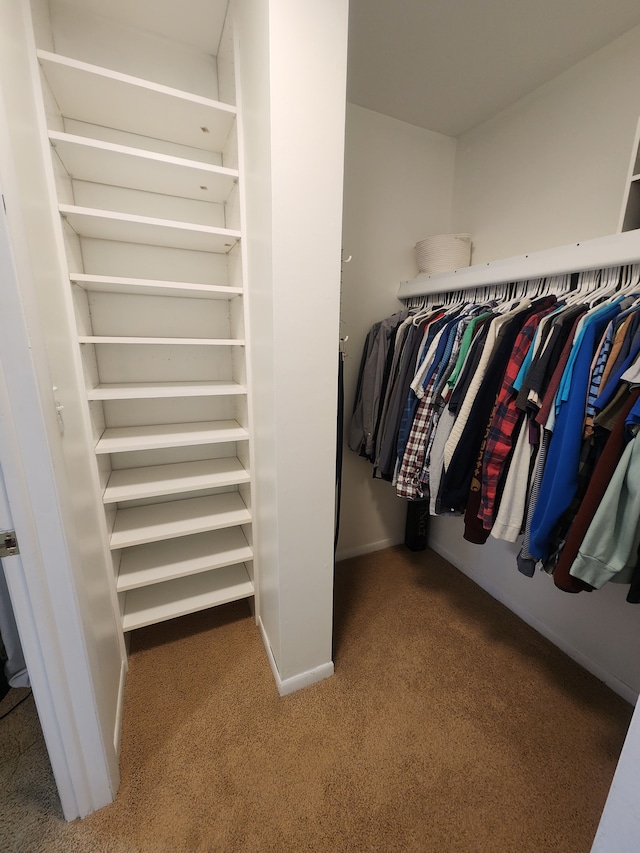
[(40, 578)]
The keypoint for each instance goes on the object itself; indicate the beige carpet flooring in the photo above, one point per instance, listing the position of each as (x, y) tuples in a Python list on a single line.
[(449, 726)]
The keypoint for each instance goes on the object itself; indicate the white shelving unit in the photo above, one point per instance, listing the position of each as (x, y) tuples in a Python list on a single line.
[(147, 184)]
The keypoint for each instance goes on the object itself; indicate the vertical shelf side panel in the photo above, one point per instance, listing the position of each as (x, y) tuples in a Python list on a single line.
[(630, 213), (228, 67)]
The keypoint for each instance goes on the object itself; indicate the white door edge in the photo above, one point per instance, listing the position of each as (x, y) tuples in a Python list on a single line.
[(14, 573), (48, 623)]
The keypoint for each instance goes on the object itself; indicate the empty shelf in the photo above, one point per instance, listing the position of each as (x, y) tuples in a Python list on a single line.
[(155, 522), (123, 439), (163, 561), (159, 602), (131, 228), (155, 390), (153, 287), (131, 484), (122, 166), (193, 342), (99, 96)]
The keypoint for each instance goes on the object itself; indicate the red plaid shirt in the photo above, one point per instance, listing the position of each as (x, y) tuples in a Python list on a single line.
[(504, 423)]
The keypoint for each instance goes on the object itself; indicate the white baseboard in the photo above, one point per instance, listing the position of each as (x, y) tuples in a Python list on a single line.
[(600, 673), (295, 682), (347, 553)]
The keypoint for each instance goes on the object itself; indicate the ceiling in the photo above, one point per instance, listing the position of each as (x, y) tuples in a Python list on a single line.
[(445, 65), (448, 65)]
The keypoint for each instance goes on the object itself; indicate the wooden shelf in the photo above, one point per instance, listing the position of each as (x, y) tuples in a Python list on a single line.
[(122, 166), (124, 439), (191, 342), (131, 228), (152, 287), (155, 522), (157, 390), (159, 562), (131, 484), (99, 96), (160, 602)]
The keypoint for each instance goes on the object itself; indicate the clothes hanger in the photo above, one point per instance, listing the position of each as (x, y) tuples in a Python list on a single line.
[(424, 307), (564, 285), (609, 282), (632, 282), (583, 288), (625, 277)]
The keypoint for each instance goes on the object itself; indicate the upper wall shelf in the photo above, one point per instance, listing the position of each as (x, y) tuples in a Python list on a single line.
[(131, 228), (609, 251), (122, 166), (108, 98)]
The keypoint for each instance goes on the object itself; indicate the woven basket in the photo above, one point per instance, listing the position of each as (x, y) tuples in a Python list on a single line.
[(443, 253)]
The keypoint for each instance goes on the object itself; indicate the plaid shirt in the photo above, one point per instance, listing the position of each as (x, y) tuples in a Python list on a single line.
[(438, 401), (408, 481), (504, 423), (433, 325)]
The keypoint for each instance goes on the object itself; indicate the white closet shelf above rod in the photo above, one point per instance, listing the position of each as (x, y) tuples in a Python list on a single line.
[(602, 252)]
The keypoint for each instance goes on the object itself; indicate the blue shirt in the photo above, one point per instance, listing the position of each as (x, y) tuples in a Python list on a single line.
[(560, 477)]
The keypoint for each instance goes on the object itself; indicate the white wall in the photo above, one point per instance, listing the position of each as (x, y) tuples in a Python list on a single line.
[(398, 187), (552, 168), (293, 131)]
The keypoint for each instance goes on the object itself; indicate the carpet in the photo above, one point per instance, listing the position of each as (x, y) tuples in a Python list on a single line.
[(449, 725)]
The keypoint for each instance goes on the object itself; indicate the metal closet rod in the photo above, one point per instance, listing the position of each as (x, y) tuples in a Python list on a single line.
[(600, 253)]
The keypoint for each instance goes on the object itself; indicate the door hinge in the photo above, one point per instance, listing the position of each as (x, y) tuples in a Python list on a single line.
[(9, 544)]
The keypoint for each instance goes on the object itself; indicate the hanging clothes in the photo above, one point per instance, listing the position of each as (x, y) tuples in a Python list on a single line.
[(519, 413)]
